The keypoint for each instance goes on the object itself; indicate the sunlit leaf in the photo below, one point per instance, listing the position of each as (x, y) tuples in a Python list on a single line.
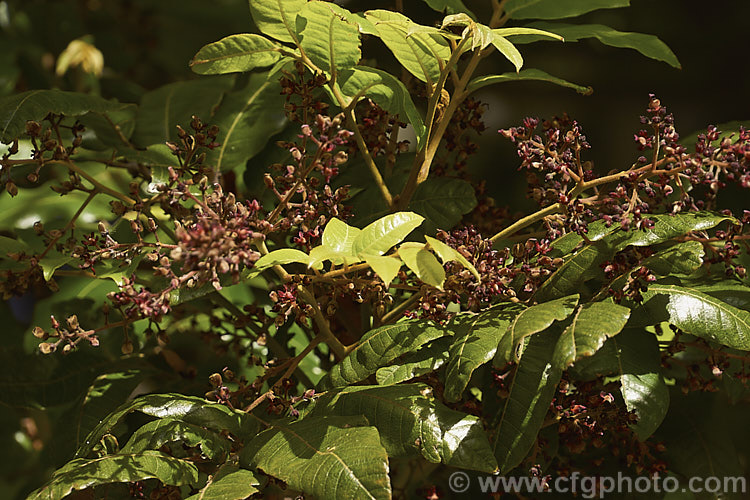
[(236, 53), (277, 18), (423, 263), (378, 237)]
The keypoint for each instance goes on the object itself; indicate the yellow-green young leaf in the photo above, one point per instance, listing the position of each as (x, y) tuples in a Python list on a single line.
[(385, 267), (276, 18), (448, 254), (475, 342), (83, 473), (508, 50), (411, 422), (282, 256), (377, 348), (423, 263), (326, 457), (592, 325), (386, 91), (236, 53), (506, 32), (229, 483), (322, 253), (525, 75), (327, 37), (557, 9), (339, 236), (533, 320), (422, 54), (378, 237)]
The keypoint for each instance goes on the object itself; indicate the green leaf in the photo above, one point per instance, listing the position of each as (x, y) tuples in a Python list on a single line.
[(525, 75), (52, 262), (725, 130), (411, 422), (81, 473), (11, 245), (426, 360), (328, 457), (157, 433), (188, 409), (648, 45), (423, 263), (161, 110), (421, 54), (642, 385), (339, 236), (508, 50), (530, 394), (327, 37), (377, 348), (276, 18), (110, 127), (386, 91), (247, 119), (236, 54), (533, 320), (557, 9), (281, 257), (702, 315), (475, 342), (592, 325), (385, 267), (516, 31), (229, 483), (443, 201), (378, 237), (322, 253), (17, 109), (449, 6), (681, 258), (448, 254)]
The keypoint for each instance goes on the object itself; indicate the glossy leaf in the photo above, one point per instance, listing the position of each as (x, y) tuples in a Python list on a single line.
[(327, 457), (423, 263), (450, 254), (229, 483), (157, 433), (82, 473), (385, 267), (379, 347), (247, 119), (277, 18), (327, 38), (411, 422), (426, 360), (378, 237), (339, 236), (419, 53), (236, 54), (475, 342), (530, 394), (648, 45), (161, 110), (508, 50), (592, 325), (525, 75), (385, 90), (533, 320), (281, 257), (34, 105), (682, 258), (322, 253), (557, 9)]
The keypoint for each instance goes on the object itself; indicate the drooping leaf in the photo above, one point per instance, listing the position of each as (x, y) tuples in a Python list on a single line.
[(533, 320), (161, 110), (327, 37), (82, 473), (509, 50), (385, 90), (277, 18), (52, 262), (377, 348), (448, 254), (411, 422), (247, 119), (528, 74), (34, 105), (236, 54), (327, 457), (281, 257), (426, 360), (385, 267), (229, 483), (157, 433), (420, 53), (378, 237), (557, 9), (592, 325), (475, 342), (530, 394), (423, 263), (648, 45)]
